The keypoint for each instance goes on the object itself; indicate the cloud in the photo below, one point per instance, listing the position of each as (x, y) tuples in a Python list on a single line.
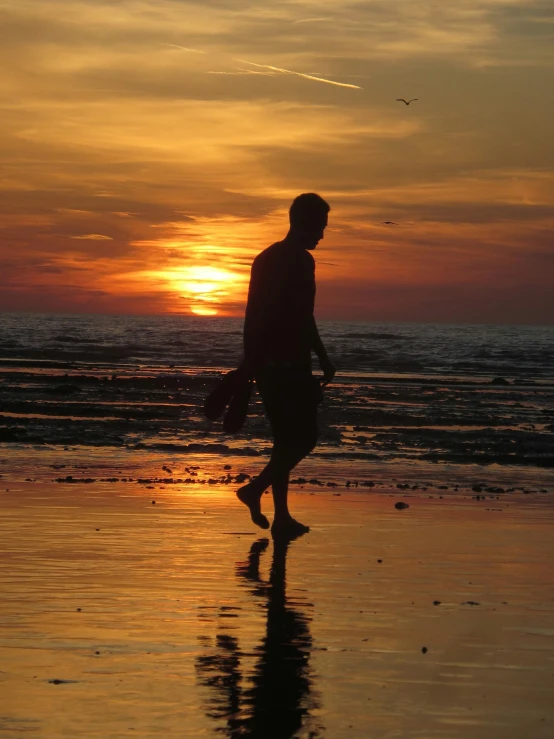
[(132, 119), (312, 20), (93, 237), (433, 302)]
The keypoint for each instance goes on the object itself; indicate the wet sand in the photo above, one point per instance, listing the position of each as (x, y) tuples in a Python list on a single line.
[(123, 617)]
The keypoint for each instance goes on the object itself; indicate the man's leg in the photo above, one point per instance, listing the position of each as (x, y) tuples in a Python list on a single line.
[(292, 412), (275, 473), (284, 525), (280, 490), (281, 462)]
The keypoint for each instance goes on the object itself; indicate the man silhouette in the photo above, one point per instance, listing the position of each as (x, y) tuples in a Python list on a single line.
[(280, 334)]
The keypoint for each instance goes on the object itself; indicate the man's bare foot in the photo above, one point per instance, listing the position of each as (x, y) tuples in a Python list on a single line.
[(252, 500), (288, 529), (256, 485)]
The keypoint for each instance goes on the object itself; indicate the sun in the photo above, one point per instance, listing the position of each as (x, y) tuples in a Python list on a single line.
[(205, 288), (201, 310)]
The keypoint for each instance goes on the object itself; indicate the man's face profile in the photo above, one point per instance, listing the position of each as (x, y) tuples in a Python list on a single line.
[(313, 233)]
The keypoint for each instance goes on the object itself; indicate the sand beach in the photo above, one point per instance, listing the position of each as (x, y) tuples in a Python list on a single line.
[(122, 616), (138, 599)]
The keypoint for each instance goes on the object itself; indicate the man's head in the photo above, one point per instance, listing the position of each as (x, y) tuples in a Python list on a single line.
[(308, 219)]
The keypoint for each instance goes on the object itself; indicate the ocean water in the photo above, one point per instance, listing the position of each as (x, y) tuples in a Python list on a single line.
[(516, 352), (412, 405)]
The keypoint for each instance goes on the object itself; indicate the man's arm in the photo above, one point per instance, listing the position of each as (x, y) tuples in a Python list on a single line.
[(254, 346), (317, 346), (255, 323)]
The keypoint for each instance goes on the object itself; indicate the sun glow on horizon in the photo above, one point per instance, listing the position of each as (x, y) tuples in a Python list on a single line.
[(200, 310), (205, 288)]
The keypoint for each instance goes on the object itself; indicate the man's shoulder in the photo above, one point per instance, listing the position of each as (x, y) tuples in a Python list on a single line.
[(281, 253), (308, 258), (271, 252)]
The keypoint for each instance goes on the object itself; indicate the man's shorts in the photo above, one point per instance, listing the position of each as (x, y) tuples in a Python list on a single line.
[(291, 397)]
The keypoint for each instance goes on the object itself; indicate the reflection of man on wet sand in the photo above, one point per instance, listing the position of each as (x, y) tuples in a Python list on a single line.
[(280, 334), (275, 699)]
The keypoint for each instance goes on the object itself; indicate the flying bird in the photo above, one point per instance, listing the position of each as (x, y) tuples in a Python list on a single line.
[(390, 223), (407, 102)]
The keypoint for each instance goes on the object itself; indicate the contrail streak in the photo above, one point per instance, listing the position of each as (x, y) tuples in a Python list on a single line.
[(300, 74), (185, 48), (240, 71), (310, 20)]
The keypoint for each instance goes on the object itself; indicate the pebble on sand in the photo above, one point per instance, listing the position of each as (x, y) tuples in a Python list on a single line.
[(400, 506)]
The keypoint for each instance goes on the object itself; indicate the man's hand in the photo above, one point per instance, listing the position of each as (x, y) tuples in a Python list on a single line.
[(245, 370), (328, 370), (317, 346)]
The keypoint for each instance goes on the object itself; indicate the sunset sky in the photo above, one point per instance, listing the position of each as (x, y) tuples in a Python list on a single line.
[(151, 148)]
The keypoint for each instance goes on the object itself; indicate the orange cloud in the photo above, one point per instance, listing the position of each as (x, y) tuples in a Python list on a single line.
[(135, 153)]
